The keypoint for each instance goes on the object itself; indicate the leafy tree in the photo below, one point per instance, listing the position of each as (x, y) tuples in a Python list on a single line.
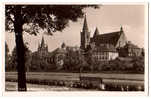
[(74, 61), (6, 49), (115, 65), (41, 62), (13, 60), (90, 59), (71, 60), (131, 65), (51, 18), (7, 57), (93, 63), (82, 63), (138, 64)]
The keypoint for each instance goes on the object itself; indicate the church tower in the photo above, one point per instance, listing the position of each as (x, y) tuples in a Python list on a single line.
[(85, 35), (96, 33), (43, 47), (121, 29)]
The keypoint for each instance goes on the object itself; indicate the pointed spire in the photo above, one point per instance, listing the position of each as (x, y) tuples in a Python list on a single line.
[(63, 45), (85, 26), (42, 41), (121, 29), (96, 32)]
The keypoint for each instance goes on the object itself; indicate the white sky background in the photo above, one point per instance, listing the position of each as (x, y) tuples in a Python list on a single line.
[(108, 18)]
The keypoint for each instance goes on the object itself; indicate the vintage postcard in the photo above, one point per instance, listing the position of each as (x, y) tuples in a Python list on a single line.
[(93, 48)]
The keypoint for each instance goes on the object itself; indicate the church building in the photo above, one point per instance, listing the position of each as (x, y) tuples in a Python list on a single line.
[(104, 46)]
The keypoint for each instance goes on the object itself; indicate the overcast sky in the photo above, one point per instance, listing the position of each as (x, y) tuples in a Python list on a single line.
[(108, 18)]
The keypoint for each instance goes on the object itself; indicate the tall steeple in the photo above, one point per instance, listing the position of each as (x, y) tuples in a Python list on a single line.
[(121, 29), (85, 25), (96, 32), (63, 45), (42, 46), (42, 41), (85, 35)]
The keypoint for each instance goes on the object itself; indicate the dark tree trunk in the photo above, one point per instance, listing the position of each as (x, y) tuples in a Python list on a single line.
[(18, 24)]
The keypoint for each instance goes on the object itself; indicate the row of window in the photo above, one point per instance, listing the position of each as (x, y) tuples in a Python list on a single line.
[(102, 53), (133, 54), (101, 57)]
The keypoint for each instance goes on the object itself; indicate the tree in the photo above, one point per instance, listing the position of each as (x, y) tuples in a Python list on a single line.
[(6, 50), (74, 61), (7, 56), (41, 62), (138, 64), (51, 18), (13, 60), (71, 61)]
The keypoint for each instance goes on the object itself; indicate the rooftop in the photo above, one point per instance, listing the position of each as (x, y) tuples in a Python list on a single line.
[(110, 38)]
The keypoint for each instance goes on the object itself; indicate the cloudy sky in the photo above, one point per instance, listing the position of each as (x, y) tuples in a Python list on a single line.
[(108, 18)]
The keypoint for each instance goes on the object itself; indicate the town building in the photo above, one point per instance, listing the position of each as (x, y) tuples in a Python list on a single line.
[(107, 46), (59, 54), (130, 50), (104, 52), (42, 57)]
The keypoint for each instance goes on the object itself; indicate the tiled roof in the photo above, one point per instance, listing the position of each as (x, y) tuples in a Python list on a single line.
[(110, 38), (59, 50)]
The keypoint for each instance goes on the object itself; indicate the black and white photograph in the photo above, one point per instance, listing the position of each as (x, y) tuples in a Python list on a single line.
[(75, 47)]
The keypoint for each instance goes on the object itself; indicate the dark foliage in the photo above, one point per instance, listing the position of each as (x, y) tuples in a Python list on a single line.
[(75, 61), (13, 59), (7, 57), (41, 63), (134, 65), (52, 18)]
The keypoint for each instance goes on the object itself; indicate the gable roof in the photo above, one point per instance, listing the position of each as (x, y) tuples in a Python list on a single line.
[(111, 38)]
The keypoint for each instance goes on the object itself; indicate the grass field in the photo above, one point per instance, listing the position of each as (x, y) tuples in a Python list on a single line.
[(46, 78), (123, 79), (75, 76)]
